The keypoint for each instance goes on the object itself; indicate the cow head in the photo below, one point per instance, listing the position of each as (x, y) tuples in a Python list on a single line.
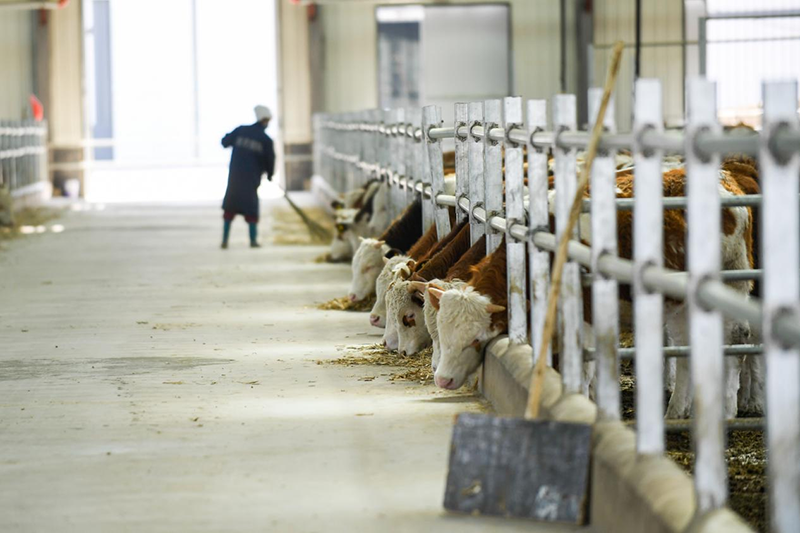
[(464, 323), (404, 309), (377, 316), (367, 264)]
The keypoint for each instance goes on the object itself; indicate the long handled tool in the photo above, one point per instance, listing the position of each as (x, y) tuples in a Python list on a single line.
[(526, 467), (316, 230)]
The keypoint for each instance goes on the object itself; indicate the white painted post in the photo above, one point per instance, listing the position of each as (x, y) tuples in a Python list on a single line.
[(648, 252), (475, 168), (705, 326), (462, 160), (492, 172), (413, 116), (386, 160), (605, 290), (426, 177), (565, 119), (538, 220), (781, 292), (515, 214), (432, 118), (398, 166)]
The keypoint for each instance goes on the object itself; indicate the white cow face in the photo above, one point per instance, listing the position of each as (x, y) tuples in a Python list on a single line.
[(389, 273), (408, 315), (367, 264), (341, 250), (464, 325), (380, 211)]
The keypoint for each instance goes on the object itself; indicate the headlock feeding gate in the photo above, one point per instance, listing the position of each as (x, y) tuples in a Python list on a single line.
[(403, 147)]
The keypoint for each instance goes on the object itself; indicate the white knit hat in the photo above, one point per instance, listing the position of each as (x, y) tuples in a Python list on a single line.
[(262, 112)]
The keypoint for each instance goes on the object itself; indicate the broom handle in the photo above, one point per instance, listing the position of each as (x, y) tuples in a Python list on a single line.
[(537, 378)]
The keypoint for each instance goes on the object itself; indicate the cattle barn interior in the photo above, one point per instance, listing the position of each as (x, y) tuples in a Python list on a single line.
[(519, 265)]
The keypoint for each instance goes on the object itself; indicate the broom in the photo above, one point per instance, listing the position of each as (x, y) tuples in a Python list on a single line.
[(316, 230)]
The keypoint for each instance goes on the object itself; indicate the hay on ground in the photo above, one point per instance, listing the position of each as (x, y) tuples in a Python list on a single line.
[(28, 217), (411, 368), (287, 228), (344, 304)]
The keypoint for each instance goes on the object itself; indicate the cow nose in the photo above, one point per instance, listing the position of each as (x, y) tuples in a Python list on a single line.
[(444, 383), (403, 353), (374, 319), (386, 345), (352, 297)]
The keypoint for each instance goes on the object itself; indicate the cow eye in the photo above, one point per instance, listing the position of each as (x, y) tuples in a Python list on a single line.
[(409, 321), (476, 344)]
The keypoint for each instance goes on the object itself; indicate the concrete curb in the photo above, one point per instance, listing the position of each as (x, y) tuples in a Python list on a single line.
[(629, 493)]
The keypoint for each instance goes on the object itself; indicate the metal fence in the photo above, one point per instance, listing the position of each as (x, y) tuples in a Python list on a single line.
[(23, 156), (404, 148)]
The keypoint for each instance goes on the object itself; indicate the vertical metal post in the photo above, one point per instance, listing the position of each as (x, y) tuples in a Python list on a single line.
[(475, 168), (648, 237), (413, 116), (462, 159), (492, 172), (432, 118), (427, 207), (515, 214), (605, 290), (564, 113), (397, 160), (538, 220), (315, 154), (400, 161), (363, 141), (705, 326), (779, 240), (386, 120)]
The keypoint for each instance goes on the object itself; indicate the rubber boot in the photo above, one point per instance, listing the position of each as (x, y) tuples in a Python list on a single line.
[(254, 236), (226, 232)]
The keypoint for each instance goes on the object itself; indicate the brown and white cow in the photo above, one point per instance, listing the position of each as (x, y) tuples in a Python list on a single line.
[(470, 316)]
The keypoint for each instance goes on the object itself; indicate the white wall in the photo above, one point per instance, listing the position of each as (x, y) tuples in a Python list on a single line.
[(16, 63), (662, 52), (350, 52)]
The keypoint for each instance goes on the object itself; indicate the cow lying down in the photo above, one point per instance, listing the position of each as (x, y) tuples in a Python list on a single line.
[(469, 315)]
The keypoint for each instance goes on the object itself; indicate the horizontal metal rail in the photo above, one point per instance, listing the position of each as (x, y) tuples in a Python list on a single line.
[(735, 424), (682, 351), (785, 143)]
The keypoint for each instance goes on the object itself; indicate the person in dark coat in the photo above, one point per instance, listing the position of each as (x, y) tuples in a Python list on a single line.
[(253, 155)]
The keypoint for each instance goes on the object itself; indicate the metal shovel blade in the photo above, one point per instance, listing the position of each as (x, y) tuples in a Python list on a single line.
[(520, 468)]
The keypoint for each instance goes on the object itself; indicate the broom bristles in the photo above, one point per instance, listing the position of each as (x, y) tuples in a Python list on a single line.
[(314, 228)]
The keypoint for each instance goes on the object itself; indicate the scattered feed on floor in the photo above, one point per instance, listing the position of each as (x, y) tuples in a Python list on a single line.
[(326, 258), (345, 304), (411, 368), (745, 455), (28, 220), (287, 228)]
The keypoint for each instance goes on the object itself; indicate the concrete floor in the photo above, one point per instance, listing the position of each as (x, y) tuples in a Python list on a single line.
[(152, 382)]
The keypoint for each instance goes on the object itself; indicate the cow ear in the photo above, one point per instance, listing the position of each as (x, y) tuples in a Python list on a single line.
[(436, 295), (417, 286), (385, 260), (379, 244), (360, 238), (494, 308)]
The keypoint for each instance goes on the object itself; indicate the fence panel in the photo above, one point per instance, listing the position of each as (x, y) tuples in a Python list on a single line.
[(780, 238), (648, 252), (605, 289)]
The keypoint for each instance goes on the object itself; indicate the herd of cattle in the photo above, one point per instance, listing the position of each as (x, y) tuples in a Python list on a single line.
[(450, 294)]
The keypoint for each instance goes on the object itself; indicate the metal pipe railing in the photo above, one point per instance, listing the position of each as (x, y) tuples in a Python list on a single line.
[(481, 130)]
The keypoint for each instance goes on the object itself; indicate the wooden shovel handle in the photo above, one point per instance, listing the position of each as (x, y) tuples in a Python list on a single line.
[(537, 378)]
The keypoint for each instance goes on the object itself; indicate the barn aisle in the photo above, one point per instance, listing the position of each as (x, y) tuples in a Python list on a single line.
[(152, 382)]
